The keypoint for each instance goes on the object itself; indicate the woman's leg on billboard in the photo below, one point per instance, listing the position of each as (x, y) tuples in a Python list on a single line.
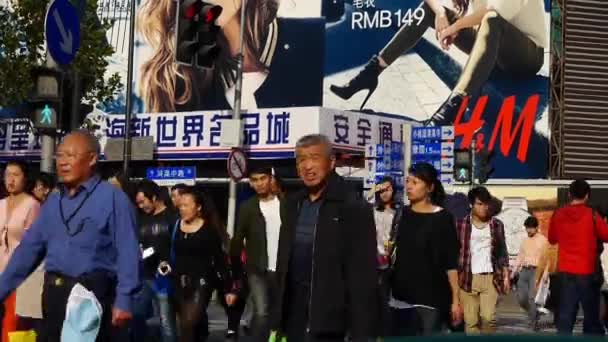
[(500, 44), (497, 44), (405, 39)]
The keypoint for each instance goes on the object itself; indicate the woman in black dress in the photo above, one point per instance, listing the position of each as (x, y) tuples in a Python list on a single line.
[(199, 264)]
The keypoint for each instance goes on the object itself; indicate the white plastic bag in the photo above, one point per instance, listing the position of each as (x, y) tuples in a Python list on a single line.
[(543, 292)]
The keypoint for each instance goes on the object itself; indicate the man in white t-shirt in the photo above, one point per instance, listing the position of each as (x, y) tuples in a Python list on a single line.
[(257, 231), (483, 270)]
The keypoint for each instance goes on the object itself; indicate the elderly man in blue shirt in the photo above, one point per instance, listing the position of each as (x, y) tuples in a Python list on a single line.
[(86, 233)]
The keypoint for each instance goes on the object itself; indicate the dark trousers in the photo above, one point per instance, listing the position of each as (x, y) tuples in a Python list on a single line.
[(297, 318), (415, 322), (385, 311), (28, 323), (234, 312), (262, 287), (56, 291), (192, 300), (554, 297), (579, 290)]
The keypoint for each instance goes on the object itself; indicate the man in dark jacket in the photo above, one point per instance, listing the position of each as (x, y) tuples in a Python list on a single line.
[(326, 267), (259, 223)]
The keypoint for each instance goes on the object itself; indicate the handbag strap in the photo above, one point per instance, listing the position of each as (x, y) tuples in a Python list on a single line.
[(173, 236), (394, 233)]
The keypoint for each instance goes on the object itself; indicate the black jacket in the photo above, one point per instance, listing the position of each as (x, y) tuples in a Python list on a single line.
[(251, 227), (344, 291)]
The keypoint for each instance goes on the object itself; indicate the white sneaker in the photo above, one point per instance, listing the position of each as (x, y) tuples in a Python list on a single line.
[(543, 311)]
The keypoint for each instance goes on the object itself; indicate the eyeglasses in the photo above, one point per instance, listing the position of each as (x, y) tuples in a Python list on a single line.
[(70, 155)]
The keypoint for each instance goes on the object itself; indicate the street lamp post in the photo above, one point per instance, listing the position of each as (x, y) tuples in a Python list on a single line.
[(129, 105), (236, 114)]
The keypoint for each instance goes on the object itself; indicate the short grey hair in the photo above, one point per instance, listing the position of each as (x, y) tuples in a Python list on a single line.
[(92, 141), (316, 140)]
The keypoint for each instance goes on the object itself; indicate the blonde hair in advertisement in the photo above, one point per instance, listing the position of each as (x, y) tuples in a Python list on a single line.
[(164, 84)]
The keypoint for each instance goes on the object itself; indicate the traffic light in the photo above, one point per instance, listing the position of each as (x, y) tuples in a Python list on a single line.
[(73, 110), (45, 101), (463, 166), (485, 166), (197, 33)]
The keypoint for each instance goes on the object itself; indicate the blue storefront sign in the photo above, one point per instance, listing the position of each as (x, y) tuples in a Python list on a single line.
[(172, 175)]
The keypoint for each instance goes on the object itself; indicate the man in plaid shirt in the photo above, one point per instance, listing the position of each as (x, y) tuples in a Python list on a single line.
[(483, 264)]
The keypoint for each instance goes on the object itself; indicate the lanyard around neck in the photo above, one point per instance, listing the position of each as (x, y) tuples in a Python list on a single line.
[(69, 219)]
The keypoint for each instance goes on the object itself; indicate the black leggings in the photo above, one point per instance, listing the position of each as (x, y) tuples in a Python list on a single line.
[(192, 301), (233, 313)]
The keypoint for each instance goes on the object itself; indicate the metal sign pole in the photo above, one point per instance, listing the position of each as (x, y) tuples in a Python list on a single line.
[(236, 114), (129, 109), (47, 141), (473, 164), (75, 119)]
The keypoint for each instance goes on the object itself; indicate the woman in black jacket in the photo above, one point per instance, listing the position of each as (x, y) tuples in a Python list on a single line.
[(424, 280), (199, 265)]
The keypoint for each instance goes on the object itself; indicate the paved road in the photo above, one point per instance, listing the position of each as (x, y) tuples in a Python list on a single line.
[(511, 320)]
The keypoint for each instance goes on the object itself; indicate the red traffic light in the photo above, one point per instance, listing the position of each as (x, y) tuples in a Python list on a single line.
[(192, 10), (211, 13)]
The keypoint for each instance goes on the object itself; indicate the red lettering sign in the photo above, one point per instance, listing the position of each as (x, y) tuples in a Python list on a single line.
[(504, 124)]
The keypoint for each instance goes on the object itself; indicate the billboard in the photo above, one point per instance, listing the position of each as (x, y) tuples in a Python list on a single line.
[(282, 67), (485, 69)]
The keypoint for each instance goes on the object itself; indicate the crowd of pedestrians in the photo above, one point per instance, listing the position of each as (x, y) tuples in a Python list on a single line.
[(94, 260)]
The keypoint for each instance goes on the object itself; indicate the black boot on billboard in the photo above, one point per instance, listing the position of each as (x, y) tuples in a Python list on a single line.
[(366, 79), (446, 114)]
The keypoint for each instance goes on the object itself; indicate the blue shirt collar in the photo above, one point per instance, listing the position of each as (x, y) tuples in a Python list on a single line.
[(88, 185)]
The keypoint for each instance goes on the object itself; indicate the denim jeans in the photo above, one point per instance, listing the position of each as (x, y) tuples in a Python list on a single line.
[(261, 287), (146, 304), (583, 290), (526, 292)]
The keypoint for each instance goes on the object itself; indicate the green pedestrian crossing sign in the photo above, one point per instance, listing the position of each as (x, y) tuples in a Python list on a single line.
[(462, 173), (45, 116), (45, 101)]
